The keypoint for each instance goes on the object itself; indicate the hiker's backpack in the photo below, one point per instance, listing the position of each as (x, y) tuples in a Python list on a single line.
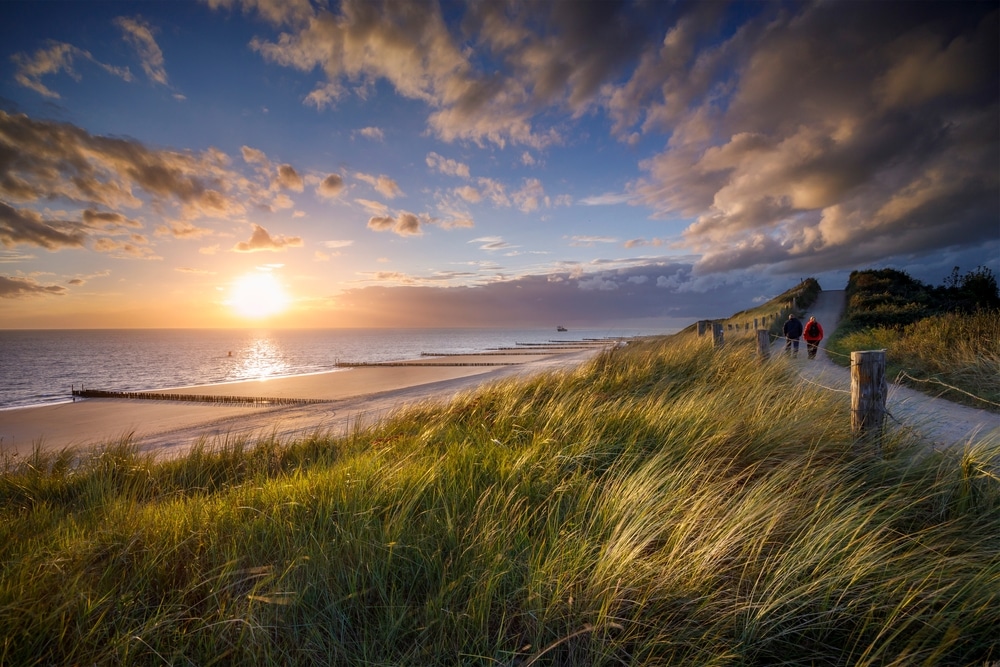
[(812, 330)]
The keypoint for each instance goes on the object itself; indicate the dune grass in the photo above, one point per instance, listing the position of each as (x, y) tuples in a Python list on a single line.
[(662, 504), (954, 355)]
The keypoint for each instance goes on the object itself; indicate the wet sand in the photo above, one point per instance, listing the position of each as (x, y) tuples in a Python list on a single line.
[(350, 396)]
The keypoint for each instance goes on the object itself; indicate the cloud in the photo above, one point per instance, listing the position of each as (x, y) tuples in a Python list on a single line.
[(261, 240), (254, 156), (337, 244), (374, 208), (276, 12), (14, 287), (447, 165), (607, 199), (139, 35), (108, 221), (882, 150), (638, 243), (382, 184), (331, 186), (55, 58), (404, 224), (829, 132), (469, 194), (492, 243), (19, 226), (413, 49), (590, 241), (46, 160), (182, 230), (530, 196), (14, 257), (614, 299), (137, 247), (373, 133), (598, 283), (289, 179)]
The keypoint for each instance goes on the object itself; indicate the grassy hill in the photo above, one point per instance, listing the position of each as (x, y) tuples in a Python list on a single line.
[(666, 503)]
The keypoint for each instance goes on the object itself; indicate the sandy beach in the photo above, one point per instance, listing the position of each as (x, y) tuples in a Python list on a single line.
[(348, 397)]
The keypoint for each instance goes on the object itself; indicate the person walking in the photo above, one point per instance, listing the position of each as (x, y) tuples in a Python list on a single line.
[(812, 334), (792, 331)]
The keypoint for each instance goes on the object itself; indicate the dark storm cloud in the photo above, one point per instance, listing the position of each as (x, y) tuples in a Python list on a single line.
[(655, 292), (847, 135)]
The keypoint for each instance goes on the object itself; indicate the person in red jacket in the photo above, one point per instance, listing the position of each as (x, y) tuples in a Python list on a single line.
[(812, 334)]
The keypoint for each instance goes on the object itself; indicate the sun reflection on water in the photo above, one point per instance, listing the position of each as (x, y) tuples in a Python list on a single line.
[(261, 358)]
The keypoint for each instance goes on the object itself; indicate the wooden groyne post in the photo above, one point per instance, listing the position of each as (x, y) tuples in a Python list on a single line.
[(869, 390), (763, 344)]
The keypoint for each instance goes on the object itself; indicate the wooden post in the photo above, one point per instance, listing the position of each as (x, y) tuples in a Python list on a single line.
[(717, 336), (701, 327), (868, 395), (763, 344)]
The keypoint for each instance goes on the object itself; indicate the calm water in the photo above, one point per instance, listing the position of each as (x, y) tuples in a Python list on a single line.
[(41, 366)]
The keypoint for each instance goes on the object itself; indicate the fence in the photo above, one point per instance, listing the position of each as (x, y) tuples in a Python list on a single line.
[(869, 385)]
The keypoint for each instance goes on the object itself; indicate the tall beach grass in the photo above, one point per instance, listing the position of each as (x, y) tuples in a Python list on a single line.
[(955, 355), (663, 504)]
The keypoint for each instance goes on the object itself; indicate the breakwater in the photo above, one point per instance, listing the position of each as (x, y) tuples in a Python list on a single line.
[(195, 398)]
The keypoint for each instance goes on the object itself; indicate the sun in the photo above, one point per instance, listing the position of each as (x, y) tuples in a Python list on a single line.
[(257, 295)]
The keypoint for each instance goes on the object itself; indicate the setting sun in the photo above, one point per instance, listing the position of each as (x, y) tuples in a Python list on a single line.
[(257, 295)]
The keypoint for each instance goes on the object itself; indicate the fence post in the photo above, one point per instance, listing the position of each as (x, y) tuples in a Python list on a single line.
[(717, 338), (868, 395), (701, 327), (763, 344)]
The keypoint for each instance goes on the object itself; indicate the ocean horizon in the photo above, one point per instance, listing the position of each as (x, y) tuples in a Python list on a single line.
[(43, 366)]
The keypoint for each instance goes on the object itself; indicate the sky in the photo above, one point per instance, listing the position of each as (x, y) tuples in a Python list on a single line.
[(355, 163)]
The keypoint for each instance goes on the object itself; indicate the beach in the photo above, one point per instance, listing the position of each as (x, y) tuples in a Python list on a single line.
[(344, 399)]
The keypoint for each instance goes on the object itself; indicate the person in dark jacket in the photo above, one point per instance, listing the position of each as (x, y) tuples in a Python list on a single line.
[(792, 331), (812, 335)]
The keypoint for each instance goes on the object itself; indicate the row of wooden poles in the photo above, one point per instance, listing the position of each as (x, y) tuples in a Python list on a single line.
[(369, 364), (869, 387), (196, 398)]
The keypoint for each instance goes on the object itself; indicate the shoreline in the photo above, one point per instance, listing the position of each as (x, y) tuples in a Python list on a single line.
[(348, 395)]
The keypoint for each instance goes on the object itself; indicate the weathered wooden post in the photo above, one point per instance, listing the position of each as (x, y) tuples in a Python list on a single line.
[(702, 324), (868, 395), (763, 344), (717, 339)]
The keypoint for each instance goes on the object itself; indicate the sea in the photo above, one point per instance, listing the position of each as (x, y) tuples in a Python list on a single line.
[(42, 367)]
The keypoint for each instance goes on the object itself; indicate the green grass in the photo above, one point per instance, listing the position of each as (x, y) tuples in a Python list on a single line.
[(663, 504)]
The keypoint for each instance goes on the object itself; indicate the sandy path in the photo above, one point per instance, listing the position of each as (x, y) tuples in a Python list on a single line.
[(944, 423)]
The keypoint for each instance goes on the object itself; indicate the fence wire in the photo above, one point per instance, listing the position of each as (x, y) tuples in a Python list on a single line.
[(901, 375)]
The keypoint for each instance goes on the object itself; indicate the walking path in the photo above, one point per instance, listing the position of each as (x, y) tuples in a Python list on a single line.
[(945, 423)]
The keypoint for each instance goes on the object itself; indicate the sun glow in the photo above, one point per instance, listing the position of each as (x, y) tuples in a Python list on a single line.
[(257, 295)]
